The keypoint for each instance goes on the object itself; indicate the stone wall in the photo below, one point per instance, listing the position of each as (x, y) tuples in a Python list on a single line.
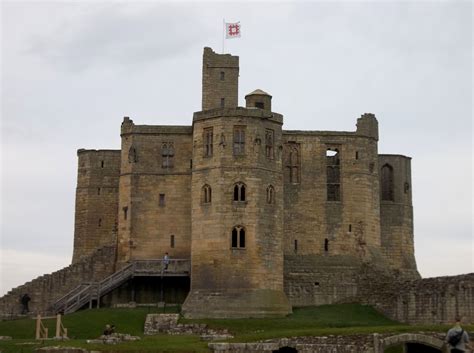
[(96, 200), (372, 343), (315, 224), (155, 197), (46, 289), (396, 214), (430, 300)]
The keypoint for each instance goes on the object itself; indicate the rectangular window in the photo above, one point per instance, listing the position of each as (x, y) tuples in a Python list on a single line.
[(162, 200), (172, 241), (296, 245), (98, 191), (222, 75), (222, 102), (259, 105), (269, 136), (333, 174), (239, 140), (125, 212), (208, 142), (167, 155)]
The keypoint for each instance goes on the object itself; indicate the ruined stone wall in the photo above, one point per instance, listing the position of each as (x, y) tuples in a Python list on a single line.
[(430, 300), (155, 198), (349, 225), (96, 200), (327, 238), (46, 289), (396, 213)]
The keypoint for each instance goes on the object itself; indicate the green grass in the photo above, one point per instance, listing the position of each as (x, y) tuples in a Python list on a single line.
[(342, 319)]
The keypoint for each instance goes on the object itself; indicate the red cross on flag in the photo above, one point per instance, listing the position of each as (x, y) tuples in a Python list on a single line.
[(232, 30)]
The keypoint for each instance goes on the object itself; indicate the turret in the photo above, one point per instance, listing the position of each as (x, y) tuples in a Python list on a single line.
[(259, 99)]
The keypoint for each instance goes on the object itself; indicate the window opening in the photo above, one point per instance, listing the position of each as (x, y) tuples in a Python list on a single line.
[(222, 75), (222, 102), (269, 141), (206, 194), (238, 237), (333, 177), (350, 227), (98, 191), (326, 245), (270, 194), (100, 222), (296, 245), (239, 192), (208, 142), (406, 188), (260, 105), (293, 162), (167, 155), (102, 164), (172, 241), (357, 155), (162, 200), (125, 212), (239, 140), (387, 183), (234, 237)]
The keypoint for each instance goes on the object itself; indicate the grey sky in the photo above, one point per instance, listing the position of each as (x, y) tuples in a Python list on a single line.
[(71, 71)]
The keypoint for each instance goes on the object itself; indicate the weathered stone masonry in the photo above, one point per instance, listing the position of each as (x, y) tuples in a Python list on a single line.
[(268, 217)]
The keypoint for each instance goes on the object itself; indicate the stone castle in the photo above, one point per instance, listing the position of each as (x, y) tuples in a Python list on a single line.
[(256, 219)]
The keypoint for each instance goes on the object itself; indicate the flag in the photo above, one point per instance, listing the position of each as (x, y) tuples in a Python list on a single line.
[(232, 30)]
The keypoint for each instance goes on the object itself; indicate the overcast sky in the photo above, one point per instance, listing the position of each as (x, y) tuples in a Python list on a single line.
[(71, 71)]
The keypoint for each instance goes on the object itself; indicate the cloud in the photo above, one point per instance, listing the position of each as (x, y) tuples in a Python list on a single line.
[(119, 35)]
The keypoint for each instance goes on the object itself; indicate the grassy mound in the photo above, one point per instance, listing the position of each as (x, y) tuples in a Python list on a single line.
[(309, 321)]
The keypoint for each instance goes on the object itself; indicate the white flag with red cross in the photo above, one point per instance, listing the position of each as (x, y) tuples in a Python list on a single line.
[(232, 30)]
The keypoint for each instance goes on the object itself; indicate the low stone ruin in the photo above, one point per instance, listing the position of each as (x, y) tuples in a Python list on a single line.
[(168, 324), (114, 338)]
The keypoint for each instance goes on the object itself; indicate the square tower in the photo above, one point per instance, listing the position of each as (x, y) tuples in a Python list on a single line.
[(220, 80)]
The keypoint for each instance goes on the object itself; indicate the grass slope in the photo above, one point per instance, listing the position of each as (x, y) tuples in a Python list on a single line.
[(309, 321)]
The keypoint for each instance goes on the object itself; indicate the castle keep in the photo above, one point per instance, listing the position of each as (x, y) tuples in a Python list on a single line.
[(256, 219), (268, 217)]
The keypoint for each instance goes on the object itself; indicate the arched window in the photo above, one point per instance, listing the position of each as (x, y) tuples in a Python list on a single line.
[(270, 194), (239, 192), (206, 194), (387, 182), (238, 237)]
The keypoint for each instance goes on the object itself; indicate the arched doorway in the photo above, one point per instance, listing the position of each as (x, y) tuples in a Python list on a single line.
[(286, 350)]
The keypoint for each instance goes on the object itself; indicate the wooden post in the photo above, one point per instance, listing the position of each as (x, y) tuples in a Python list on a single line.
[(38, 327), (58, 326)]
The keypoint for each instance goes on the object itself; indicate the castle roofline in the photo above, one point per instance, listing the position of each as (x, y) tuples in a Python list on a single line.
[(238, 112), (393, 155), (258, 92)]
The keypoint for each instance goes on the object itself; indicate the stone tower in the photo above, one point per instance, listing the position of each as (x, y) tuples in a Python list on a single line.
[(237, 203)]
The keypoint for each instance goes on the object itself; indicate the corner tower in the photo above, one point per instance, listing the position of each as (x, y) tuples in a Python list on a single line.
[(237, 211)]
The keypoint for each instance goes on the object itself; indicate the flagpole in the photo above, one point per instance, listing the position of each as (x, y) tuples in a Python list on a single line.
[(223, 34)]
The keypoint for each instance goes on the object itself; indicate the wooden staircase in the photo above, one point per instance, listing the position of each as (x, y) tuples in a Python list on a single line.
[(93, 291)]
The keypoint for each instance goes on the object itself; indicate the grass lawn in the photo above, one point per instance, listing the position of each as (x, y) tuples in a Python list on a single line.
[(309, 321)]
